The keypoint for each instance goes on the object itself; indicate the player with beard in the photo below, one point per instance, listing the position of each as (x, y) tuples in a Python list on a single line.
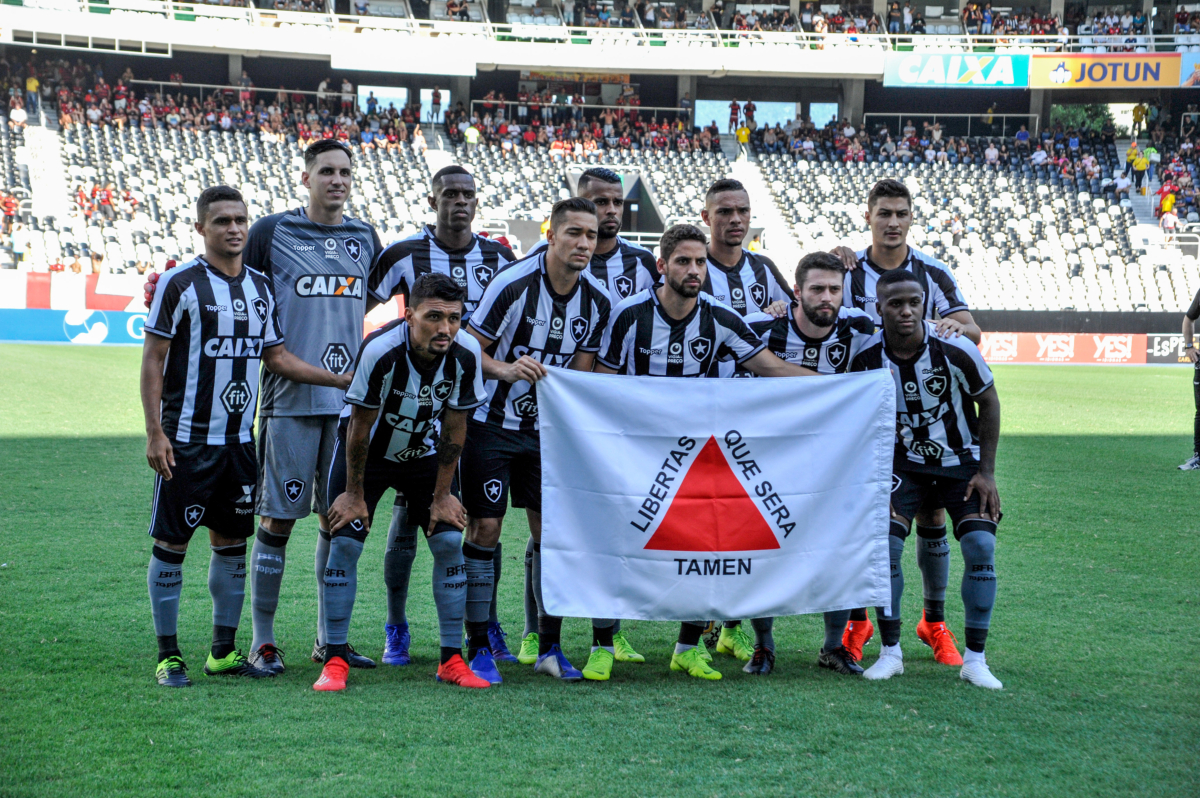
[(748, 283), (471, 260), (626, 269), (889, 216), (821, 334), (677, 330)]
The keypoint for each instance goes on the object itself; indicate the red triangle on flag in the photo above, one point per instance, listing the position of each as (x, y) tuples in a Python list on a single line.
[(712, 511)]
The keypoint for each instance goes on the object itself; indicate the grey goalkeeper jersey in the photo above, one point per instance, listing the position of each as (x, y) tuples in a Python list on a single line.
[(319, 273)]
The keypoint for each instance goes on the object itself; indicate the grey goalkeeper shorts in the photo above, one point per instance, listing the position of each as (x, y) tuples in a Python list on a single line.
[(294, 453)]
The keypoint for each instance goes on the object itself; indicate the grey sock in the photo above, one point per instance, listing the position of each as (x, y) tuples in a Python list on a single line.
[(227, 584), (537, 582), (933, 558), (480, 582), (896, 554), (165, 582), (266, 575), (493, 617), (762, 632), (341, 585), (531, 624), (835, 625), (320, 558), (979, 577), (449, 585), (397, 564)]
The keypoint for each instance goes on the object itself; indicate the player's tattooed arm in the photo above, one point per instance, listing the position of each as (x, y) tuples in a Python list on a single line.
[(445, 507), (351, 505), (279, 360), (159, 453), (984, 481)]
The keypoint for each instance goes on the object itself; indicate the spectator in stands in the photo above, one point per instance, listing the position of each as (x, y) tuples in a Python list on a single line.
[(991, 156), (1131, 155), (895, 19), (1139, 165), (347, 95), (32, 84), (1168, 222), (1039, 156), (17, 118)]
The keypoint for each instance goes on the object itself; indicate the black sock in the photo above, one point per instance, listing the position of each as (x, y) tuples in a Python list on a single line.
[(976, 638), (168, 646), (732, 624), (602, 636), (935, 611), (689, 634), (889, 631), (448, 652), (223, 640), (477, 638), (859, 614), (549, 631), (335, 650)]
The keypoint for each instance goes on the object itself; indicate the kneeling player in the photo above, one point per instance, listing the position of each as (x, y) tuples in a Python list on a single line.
[(820, 334), (210, 323), (944, 451), (663, 319), (409, 374)]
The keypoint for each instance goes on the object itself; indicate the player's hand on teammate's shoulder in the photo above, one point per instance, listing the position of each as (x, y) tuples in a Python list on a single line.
[(346, 509), (989, 496), (159, 454), (524, 368), (949, 328), (778, 308), (152, 282), (849, 257), (343, 380), (447, 509)]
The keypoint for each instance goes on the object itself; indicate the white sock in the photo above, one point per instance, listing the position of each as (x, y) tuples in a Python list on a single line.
[(974, 656), (891, 651), (680, 648)]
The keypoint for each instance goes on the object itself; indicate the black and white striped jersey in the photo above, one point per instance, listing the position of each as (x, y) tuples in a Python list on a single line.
[(832, 354), (472, 268), (941, 289), (626, 270), (523, 315), (749, 286), (218, 326), (410, 397), (643, 340), (936, 425)]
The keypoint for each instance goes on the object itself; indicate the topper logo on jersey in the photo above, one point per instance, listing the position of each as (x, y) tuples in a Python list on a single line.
[(224, 346), (237, 396), (260, 308), (483, 274), (579, 328), (759, 294), (317, 285), (293, 489), (699, 347), (623, 285), (492, 489), (836, 353), (442, 390), (935, 385), (526, 406), (192, 515), (353, 248), (337, 358)]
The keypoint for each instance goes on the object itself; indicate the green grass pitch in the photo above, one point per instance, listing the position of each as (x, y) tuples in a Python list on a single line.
[(1094, 636)]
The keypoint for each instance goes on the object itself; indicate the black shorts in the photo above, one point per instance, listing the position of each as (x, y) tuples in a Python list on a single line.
[(912, 490), (495, 459), (415, 480), (212, 486)]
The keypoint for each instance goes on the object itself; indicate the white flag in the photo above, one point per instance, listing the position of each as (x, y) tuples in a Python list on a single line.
[(684, 499)]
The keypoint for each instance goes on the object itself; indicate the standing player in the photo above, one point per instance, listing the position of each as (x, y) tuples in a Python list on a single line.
[(210, 324), (748, 283), (675, 330), (820, 334), (318, 260), (1189, 349), (449, 248), (945, 451), (546, 310), (409, 374), (889, 216), (625, 268)]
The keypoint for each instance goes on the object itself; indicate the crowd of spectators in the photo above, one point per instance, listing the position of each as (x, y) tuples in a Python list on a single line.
[(626, 14)]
